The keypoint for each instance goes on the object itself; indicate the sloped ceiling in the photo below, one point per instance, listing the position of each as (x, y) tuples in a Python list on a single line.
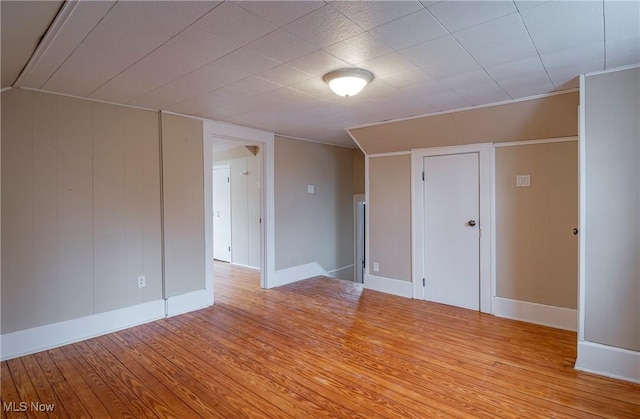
[(23, 25), (548, 117), (260, 63)]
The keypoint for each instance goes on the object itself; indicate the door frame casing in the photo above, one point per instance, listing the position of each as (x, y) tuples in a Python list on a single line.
[(219, 130), (485, 165)]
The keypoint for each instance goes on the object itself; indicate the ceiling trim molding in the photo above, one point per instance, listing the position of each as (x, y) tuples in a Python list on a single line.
[(52, 32), (612, 70), (533, 142), (468, 108), (5, 89), (90, 99), (390, 154), (314, 141)]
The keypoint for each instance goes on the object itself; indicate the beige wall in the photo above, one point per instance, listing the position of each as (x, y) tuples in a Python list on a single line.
[(319, 227), (390, 216), (536, 252), (183, 200), (612, 210), (80, 208), (245, 209)]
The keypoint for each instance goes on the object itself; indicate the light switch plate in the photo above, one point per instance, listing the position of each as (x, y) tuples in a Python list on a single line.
[(523, 181), (311, 189)]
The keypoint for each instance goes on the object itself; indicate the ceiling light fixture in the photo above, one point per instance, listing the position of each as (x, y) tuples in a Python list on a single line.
[(348, 81)]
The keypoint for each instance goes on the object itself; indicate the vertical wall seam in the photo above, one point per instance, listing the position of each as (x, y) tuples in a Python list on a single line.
[(162, 235), (93, 209)]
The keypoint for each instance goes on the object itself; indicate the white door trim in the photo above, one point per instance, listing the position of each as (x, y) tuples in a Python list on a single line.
[(485, 156), (214, 129)]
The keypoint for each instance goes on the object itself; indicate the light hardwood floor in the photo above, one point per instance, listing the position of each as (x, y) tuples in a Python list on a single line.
[(318, 348)]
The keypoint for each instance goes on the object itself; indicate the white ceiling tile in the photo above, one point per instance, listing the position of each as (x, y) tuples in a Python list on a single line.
[(92, 10), (426, 89), (255, 85), (315, 87), (408, 78), (280, 12), (323, 27), (128, 85), (201, 43), (136, 21), (517, 69), (623, 50), (410, 30), (166, 64), (522, 78), (403, 108), (77, 78), (360, 48), (109, 63), (484, 93), (317, 63), (371, 14), (457, 15), (235, 66), (282, 46), (465, 80), (527, 4), (445, 101), (528, 87), (564, 65), (285, 75), (234, 24), (121, 44), (379, 90), (388, 65), (171, 93), (558, 25), (622, 18), (184, 12), (442, 57), (497, 42)]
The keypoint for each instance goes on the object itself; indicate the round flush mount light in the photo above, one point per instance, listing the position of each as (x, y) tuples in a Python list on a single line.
[(348, 81)]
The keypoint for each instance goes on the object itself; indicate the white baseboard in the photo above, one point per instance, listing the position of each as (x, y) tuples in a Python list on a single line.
[(609, 361), (558, 317), (25, 342), (388, 285), (191, 301), (297, 273)]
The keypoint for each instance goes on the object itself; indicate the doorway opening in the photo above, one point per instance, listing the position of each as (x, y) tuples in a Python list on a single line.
[(215, 135), (236, 180)]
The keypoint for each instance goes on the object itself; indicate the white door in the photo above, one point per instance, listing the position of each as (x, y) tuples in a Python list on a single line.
[(452, 230), (221, 214)]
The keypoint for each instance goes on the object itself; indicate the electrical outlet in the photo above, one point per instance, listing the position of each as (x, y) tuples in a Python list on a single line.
[(142, 281), (376, 267)]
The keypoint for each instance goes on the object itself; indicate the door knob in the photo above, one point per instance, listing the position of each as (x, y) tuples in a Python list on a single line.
[(471, 223)]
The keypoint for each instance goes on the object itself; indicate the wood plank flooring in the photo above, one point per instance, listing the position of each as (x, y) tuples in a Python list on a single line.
[(315, 349)]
